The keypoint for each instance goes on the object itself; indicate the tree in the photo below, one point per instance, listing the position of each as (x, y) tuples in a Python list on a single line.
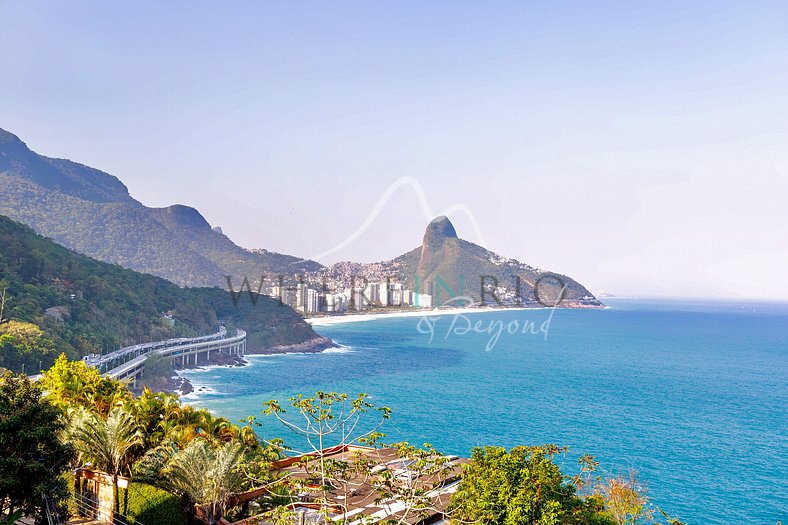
[(3, 300), (208, 475), (330, 419), (32, 458), (109, 444), (157, 366), (157, 415), (626, 499), (413, 488), (182, 423), (74, 384), (622, 498), (406, 489), (25, 347), (520, 487)]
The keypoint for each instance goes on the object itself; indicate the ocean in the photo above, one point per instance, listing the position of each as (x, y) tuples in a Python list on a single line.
[(692, 395)]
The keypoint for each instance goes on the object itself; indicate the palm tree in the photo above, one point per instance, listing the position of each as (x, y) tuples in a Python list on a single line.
[(107, 443), (156, 414), (208, 476), (216, 430), (186, 424)]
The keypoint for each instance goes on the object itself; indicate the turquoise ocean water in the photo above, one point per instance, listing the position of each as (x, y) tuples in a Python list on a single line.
[(692, 395)]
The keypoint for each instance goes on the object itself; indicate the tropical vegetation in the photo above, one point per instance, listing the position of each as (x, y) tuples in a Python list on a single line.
[(53, 298), (33, 457), (189, 462)]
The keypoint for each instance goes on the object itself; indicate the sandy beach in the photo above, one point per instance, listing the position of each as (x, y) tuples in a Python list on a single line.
[(355, 318)]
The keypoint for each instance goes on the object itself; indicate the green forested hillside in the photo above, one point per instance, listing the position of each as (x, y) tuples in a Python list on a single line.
[(92, 212), (83, 305)]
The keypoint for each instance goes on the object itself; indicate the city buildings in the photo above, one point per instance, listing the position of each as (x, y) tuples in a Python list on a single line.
[(311, 299)]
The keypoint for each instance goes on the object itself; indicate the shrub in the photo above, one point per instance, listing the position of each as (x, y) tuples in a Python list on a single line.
[(149, 505)]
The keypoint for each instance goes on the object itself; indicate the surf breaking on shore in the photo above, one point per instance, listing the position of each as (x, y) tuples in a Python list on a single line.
[(198, 378)]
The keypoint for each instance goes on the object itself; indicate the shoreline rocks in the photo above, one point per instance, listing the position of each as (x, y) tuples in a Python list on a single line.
[(312, 346), (175, 384)]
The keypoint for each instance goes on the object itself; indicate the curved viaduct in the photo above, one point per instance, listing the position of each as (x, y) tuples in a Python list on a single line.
[(129, 362)]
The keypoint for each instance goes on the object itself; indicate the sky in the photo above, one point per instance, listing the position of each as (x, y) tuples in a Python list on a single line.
[(641, 148)]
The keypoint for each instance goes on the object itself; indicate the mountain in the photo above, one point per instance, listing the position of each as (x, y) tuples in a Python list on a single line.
[(92, 212), (456, 266), (446, 266), (84, 305)]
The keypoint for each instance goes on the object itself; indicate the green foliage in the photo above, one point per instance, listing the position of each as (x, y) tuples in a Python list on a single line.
[(72, 385), (157, 365), (207, 475), (149, 505), (83, 305), (157, 414), (109, 444), (330, 418), (625, 500), (520, 487), (23, 346), (12, 518), (32, 458)]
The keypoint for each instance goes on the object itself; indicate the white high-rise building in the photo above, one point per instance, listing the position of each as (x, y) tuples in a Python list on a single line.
[(396, 294), (340, 302), (276, 292), (359, 300), (312, 303), (301, 298), (384, 294), (422, 300), (372, 293)]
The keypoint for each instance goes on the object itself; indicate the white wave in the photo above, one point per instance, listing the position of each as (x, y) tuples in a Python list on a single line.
[(341, 349), (201, 369), (199, 392)]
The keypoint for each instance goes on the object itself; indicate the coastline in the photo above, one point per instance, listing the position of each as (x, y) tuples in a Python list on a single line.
[(362, 317), (178, 384), (311, 346)]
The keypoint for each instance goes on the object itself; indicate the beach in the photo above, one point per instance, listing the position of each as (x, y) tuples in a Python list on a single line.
[(355, 318)]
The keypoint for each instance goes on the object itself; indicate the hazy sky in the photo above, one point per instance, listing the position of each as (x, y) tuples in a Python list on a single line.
[(640, 149)]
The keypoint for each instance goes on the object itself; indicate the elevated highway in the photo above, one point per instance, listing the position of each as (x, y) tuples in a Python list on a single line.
[(129, 362)]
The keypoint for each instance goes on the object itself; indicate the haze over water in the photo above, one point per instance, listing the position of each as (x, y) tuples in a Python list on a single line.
[(692, 395)]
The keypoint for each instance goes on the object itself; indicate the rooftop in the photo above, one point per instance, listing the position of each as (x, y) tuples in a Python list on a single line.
[(375, 483)]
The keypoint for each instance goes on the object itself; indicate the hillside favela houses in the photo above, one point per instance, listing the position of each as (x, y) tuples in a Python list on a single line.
[(444, 271)]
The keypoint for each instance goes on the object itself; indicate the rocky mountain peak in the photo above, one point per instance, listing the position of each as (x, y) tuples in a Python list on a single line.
[(439, 229)]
